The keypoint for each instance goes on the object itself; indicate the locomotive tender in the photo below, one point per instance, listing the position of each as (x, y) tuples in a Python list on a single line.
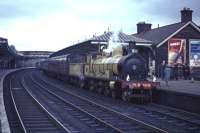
[(119, 75)]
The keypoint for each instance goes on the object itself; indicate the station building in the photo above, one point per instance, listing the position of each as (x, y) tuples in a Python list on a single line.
[(10, 58), (7, 56), (177, 43)]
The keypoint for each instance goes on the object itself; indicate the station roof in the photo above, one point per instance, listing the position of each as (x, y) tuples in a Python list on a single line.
[(161, 34), (121, 37), (35, 53), (5, 51), (102, 39)]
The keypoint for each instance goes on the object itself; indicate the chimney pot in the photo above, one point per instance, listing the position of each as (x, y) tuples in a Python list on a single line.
[(186, 14), (143, 27)]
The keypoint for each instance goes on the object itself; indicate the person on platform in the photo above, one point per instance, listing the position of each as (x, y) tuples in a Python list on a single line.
[(186, 72), (167, 74), (191, 75), (175, 75), (162, 68)]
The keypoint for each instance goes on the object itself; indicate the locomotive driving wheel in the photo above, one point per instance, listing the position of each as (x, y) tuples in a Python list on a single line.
[(82, 84), (125, 96), (113, 94), (91, 85), (91, 88), (100, 87), (100, 90), (106, 92)]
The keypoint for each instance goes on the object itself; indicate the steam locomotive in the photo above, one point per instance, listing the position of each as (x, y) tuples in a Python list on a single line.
[(118, 75)]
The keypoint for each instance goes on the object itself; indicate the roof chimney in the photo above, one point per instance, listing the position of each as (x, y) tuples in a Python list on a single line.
[(186, 14), (143, 27)]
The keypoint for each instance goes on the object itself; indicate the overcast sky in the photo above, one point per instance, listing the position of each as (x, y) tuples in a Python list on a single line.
[(56, 24)]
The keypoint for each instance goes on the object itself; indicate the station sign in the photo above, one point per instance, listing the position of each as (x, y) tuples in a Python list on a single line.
[(176, 51), (194, 53)]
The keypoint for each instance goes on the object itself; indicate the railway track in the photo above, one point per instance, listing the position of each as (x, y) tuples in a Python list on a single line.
[(89, 111), (14, 122), (107, 115), (63, 109), (32, 116), (170, 120), (188, 116), (190, 124)]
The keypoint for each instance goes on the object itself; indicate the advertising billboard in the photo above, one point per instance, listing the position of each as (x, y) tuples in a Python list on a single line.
[(176, 51), (194, 53)]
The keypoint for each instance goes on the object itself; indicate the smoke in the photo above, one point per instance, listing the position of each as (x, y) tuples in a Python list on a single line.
[(113, 42)]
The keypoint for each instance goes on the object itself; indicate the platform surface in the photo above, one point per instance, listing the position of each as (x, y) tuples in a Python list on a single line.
[(4, 126), (183, 86)]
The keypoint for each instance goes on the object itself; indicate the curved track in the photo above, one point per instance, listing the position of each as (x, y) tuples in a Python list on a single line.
[(169, 119), (32, 116), (67, 111), (14, 122), (65, 108), (107, 115)]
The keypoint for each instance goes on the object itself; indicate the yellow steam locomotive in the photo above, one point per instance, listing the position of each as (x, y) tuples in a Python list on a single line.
[(116, 75)]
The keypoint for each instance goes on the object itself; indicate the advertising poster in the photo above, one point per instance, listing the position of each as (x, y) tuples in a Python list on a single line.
[(195, 53), (176, 51)]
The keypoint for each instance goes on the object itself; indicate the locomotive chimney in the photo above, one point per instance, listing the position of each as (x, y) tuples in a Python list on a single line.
[(132, 48), (186, 15), (143, 27)]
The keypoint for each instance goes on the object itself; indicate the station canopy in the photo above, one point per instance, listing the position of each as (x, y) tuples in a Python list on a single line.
[(87, 45), (119, 37)]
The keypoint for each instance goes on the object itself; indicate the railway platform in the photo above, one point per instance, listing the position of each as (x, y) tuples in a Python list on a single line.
[(4, 125), (4, 121), (182, 94)]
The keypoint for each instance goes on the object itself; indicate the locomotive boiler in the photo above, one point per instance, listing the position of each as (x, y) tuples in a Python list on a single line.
[(118, 66), (116, 75)]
